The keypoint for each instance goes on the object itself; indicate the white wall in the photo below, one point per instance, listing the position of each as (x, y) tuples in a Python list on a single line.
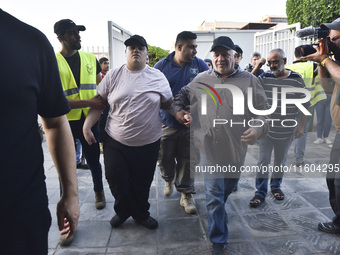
[(244, 38)]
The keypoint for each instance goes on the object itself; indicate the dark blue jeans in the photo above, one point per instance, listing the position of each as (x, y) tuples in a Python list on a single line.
[(91, 152), (217, 191)]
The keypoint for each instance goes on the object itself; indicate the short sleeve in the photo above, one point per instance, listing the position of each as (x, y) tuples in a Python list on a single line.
[(52, 101), (165, 89)]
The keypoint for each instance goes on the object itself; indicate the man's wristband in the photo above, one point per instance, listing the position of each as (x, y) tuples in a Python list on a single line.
[(323, 62)]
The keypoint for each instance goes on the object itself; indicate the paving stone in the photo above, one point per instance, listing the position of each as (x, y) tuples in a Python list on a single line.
[(183, 231), (274, 228)]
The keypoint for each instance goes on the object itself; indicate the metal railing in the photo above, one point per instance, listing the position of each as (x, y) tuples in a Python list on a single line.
[(283, 38)]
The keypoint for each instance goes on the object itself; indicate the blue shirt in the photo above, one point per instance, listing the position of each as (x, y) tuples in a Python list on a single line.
[(178, 76)]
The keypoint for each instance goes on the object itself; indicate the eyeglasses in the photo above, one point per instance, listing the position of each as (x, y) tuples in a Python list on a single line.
[(275, 62)]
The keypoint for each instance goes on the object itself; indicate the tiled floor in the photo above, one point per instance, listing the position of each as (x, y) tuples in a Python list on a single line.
[(276, 227)]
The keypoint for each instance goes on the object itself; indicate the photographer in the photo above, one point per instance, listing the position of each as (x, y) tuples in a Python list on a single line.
[(329, 74)]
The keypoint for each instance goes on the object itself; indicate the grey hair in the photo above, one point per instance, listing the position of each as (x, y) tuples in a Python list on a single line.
[(256, 54), (280, 52)]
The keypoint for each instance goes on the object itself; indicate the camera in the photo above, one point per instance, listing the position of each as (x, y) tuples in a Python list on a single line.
[(307, 49), (319, 33)]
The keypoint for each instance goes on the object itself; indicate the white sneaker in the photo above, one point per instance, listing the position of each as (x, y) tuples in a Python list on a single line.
[(186, 202), (319, 141), (169, 188), (328, 141)]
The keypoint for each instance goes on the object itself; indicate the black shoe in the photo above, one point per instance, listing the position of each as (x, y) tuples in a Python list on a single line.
[(149, 223), (218, 249), (329, 227), (82, 165), (116, 221), (300, 164)]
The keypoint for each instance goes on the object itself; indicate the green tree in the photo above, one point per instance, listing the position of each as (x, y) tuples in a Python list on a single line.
[(156, 54), (312, 12)]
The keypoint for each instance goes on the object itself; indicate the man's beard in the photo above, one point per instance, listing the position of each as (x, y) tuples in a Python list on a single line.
[(336, 51), (277, 72), (76, 47)]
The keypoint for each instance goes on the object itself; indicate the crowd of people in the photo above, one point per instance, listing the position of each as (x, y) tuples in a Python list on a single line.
[(142, 115)]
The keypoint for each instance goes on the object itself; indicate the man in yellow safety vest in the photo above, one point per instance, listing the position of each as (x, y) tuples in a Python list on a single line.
[(80, 74)]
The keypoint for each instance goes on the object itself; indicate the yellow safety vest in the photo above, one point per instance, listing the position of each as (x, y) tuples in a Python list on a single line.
[(87, 89), (306, 70)]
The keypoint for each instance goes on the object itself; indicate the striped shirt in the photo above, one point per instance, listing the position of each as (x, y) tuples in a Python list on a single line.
[(284, 125)]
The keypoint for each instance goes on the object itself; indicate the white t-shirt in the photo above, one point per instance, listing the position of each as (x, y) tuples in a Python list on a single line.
[(135, 98)]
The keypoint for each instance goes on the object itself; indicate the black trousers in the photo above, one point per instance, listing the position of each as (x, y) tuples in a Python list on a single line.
[(129, 172), (91, 152), (28, 234)]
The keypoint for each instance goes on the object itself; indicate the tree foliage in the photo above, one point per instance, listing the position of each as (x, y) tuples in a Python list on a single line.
[(312, 12), (156, 54)]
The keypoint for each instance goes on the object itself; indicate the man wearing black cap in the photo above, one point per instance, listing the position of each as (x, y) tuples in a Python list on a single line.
[(220, 135), (135, 92), (80, 73), (329, 74)]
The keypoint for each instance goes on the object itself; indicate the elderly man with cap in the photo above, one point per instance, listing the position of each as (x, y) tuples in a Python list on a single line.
[(220, 131), (329, 75), (135, 93), (79, 74)]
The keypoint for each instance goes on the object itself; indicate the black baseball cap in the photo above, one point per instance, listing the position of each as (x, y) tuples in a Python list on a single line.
[(136, 38), (223, 41), (335, 25), (66, 25), (238, 49)]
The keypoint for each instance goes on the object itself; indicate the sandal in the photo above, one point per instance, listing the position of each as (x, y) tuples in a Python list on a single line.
[(256, 201), (278, 194)]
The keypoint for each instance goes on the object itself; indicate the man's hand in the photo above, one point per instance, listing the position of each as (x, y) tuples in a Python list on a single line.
[(183, 117), (316, 57), (299, 131), (97, 102), (249, 136), (88, 135), (260, 62), (67, 215)]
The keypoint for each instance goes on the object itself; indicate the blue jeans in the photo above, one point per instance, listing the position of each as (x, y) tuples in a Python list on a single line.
[(300, 143), (280, 154), (217, 192), (324, 120), (78, 151)]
